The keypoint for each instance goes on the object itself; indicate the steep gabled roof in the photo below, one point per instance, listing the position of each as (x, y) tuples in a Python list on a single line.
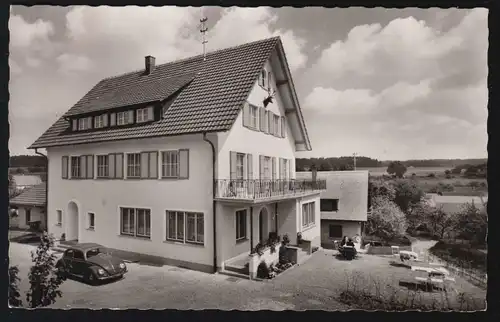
[(213, 92), (34, 196)]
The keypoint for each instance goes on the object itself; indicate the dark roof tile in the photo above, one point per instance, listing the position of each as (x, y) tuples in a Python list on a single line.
[(34, 196), (215, 92)]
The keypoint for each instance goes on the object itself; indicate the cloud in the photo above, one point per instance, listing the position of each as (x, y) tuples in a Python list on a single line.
[(69, 63), (365, 101), (24, 35)]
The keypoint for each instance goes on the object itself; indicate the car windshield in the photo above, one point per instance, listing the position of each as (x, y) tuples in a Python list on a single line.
[(94, 252)]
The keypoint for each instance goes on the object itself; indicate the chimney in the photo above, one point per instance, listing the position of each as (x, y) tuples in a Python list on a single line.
[(150, 64)]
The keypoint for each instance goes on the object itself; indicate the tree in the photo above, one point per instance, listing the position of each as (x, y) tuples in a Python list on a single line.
[(396, 168), (407, 194), (472, 223), (379, 188), (45, 279), (386, 220), (14, 295), (440, 222)]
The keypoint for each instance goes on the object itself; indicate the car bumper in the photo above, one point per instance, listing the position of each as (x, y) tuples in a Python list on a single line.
[(113, 276)]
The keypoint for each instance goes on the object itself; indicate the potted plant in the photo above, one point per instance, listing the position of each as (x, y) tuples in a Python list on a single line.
[(299, 238)]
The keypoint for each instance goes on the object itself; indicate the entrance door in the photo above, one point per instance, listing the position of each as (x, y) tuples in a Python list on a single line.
[(73, 220), (28, 216)]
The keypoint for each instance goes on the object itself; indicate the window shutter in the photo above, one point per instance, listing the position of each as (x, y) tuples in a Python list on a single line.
[(151, 112), (184, 164), (281, 164), (64, 167), (119, 165), (250, 166), (130, 117), (144, 164), (112, 119), (274, 168), (269, 80), (75, 125), (266, 122), (262, 119), (111, 165), (283, 127), (245, 167), (261, 167), (232, 165), (290, 168), (83, 166), (271, 123), (153, 165), (90, 167), (105, 119), (246, 114)]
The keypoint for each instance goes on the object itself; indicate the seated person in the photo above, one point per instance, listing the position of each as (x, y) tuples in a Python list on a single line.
[(350, 243), (344, 241)]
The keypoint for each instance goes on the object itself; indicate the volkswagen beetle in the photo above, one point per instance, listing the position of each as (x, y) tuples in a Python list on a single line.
[(91, 262)]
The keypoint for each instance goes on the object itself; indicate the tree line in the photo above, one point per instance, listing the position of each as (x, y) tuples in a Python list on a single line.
[(347, 163)]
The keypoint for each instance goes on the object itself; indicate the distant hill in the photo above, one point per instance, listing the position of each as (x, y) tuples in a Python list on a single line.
[(27, 164), (347, 163)]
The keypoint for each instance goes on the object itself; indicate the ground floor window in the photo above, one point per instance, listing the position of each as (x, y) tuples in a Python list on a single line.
[(329, 205), (308, 214), (335, 231), (59, 217), (186, 227), (91, 218), (136, 222), (241, 224), (28, 215)]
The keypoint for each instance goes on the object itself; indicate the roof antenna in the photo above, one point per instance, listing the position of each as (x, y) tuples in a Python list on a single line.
[(203, 31)]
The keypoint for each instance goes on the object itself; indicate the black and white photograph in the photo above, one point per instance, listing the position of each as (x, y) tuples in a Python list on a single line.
[(248, 158)]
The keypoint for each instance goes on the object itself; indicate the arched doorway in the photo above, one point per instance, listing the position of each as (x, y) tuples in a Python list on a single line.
[(263, 224), (72, 220)]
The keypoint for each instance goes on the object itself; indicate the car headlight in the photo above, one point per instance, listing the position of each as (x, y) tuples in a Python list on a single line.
[(100, 271), (122, 265)]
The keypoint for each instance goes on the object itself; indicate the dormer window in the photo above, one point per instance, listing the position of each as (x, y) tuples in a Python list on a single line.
[(85, 123), (100, 121), (121, 118), (144, 114)]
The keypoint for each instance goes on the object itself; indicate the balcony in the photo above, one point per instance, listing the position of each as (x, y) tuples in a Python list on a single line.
[(255, 190)]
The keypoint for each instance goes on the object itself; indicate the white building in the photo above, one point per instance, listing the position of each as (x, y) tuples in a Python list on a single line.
[(182, 161)]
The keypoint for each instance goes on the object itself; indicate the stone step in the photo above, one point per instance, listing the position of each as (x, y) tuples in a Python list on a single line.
[(235, 274), (237, 268)]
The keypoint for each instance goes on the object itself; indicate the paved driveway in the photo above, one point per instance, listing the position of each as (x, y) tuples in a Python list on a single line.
[(314, 285)]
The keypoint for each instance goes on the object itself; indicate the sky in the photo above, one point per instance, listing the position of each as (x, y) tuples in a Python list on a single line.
[(383, 83)]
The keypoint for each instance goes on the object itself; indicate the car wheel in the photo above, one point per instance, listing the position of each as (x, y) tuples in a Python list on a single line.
[(91, 279)]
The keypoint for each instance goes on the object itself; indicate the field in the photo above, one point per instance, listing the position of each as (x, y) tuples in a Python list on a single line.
[(419, 171)]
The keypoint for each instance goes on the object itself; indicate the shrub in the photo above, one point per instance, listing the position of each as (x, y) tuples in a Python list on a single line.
[(44, 278), (407, 194), (14, 295), (263, 270)]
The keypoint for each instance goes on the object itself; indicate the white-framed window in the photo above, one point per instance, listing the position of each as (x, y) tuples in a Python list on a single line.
[(99, 121), (142, 115), (308, 212), (185, 227), (75, 167), (85, 123), (267, 167), (91, 219), (240, 168), (241, 224), (277, 129), (263, 78), (135, 222), (254, 112), (134, 165), (58, 217), (269, 81), (121, 118), (102, 166), (170, 164)]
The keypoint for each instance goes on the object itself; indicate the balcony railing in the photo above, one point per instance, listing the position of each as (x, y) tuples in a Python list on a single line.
[(261, 189)]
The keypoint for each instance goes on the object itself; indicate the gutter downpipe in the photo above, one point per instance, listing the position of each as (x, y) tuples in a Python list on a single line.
[(46, 189), (213, 199)]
